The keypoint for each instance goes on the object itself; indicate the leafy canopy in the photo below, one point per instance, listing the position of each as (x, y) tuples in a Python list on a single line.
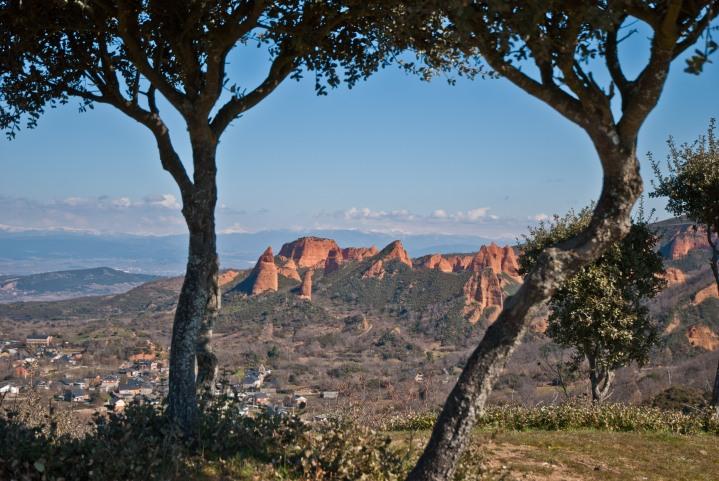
[(126, 52), (601, 310), (692, 180)]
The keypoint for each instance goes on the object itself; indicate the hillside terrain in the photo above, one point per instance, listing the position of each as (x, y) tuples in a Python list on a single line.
[(387, 330), (59, 285)]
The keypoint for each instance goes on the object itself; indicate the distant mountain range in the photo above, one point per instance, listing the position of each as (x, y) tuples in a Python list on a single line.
[(31, 252), (50, 286), (325, 312)]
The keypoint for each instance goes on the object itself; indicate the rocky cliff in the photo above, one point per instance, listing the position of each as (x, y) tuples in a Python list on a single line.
[(334, 261), (288, 268), (263, 277), (434, 261), (308, 251), (306, 286), (393, 252), (483, 290), (358, 253), (684, 240)]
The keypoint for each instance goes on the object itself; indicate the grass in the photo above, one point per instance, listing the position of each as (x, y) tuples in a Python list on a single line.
[(590, 455), (580, 455)]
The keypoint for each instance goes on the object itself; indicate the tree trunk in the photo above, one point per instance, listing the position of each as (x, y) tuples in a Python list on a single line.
[(600, 380), (715, 270), (199, 297), (611, 221), (207, 364)]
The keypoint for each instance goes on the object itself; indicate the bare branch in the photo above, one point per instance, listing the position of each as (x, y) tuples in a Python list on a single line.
[(281, 67)]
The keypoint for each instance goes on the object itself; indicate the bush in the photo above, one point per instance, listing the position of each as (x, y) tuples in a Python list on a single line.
[(574, 415), (141, 445)]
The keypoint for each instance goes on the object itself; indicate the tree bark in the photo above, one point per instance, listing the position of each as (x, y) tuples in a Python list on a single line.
[(715, 270), (611, 221), (199, 297), (600, 380)]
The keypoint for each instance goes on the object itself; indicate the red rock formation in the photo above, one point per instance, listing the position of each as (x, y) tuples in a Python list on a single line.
[(264, 275), (308, 251), (333, 261), (499, 259), (306, 286), (706, 293), (358, 253), (460, 263), (686, 240), (674, 276), (673, 324), (483, 290), (227, 276), (393, 252), (289, 270), (434, 261), (376, 270), (701, 336)]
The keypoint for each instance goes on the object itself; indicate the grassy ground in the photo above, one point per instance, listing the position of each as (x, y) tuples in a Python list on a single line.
[(593, 455), (544, 456)]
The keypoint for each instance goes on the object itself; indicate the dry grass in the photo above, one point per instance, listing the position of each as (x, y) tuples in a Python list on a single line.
[(591, 455)]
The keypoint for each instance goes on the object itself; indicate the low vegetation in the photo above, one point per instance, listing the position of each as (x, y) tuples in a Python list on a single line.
[(573, 416), (42, 444)]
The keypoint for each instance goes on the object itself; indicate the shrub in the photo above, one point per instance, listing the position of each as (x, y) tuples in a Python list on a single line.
[(140, 445), (574, 415)]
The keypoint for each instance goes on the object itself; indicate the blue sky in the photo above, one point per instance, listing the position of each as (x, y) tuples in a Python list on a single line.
[(392, 154)]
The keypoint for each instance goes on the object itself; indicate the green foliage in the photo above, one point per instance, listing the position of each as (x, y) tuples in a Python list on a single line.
[(141, 445), (679, 398), (575, 415), (548, 233), (601, 311), (692, 181)]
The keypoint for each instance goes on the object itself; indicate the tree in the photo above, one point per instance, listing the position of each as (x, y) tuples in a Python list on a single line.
[(601, 310), (557, 52), (141, 55), (692, 188)]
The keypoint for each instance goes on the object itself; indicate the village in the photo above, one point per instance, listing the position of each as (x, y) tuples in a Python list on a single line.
[(58, 371)]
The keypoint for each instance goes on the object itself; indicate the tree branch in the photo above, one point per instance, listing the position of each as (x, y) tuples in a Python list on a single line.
[(281, 67), (611, 55), (128, 29)]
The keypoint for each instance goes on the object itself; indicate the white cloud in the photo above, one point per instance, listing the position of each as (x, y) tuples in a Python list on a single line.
[(168, 201), (74, 201), (355, 213), (539, 217), (235, 229), (473, 214), (440, 214), (122, 202)]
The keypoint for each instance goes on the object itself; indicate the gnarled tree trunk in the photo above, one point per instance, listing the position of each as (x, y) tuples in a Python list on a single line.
[(600, 379), (190, 356), (715, 270), (611, 221)]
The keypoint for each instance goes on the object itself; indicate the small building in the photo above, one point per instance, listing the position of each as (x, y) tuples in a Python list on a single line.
[(81, 383), (329, 394), (9, 388), (38, 340), (109, 383), (76, 395), (261, 398)]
